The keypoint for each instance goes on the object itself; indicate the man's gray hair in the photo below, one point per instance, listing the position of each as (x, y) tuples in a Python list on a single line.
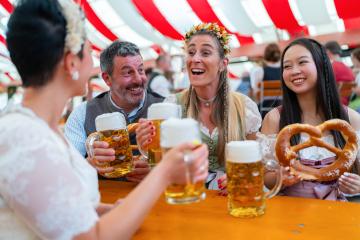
[(117, 48)]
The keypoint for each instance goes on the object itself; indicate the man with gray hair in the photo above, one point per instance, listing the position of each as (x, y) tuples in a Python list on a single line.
[(123, 71)]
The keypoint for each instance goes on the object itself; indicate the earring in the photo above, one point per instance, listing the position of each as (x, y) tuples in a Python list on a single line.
[(75, 76)]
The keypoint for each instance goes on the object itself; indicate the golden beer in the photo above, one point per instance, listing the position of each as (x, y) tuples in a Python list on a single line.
[(154, 149), (120, 142), (185, 193), (157, 113), (245, 183), (173, 133), (245, 179), (111, 128)]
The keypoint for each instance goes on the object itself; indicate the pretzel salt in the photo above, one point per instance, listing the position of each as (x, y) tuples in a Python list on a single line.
[(287, 154)]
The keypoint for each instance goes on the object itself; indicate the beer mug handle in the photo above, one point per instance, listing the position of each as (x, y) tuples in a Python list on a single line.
[(274, 165), (89, 144), (179, 111), (142, 152)]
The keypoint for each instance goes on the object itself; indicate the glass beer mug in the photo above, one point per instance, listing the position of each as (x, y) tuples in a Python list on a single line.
[(245, 179), (157, 113), (111, 128), (174, 132)]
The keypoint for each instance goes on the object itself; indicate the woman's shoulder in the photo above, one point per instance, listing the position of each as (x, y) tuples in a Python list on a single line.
[(22, 127), (271, 122)]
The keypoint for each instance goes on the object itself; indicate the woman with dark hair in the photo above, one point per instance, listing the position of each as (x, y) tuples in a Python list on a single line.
[(223, 115), (47, 189), (310, 96)]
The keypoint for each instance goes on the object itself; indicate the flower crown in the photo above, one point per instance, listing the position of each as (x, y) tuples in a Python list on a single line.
[(222, 35), (75, 26)]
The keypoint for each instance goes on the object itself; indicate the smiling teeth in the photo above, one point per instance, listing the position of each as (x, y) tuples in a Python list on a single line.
[(298, 81), (197, 70)]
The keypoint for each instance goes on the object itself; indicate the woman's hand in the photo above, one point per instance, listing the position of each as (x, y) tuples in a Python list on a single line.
[(349, 183), (222, 183), (139, 171), (144, 133), (196, 164), (288, 179)]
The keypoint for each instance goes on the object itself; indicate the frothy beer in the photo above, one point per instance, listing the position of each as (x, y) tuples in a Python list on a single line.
[(111, 128), (173, 133), (245, 179), (157, 113)]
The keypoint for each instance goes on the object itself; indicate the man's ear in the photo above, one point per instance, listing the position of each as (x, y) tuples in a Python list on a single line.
[(224, 64), (106, 78)]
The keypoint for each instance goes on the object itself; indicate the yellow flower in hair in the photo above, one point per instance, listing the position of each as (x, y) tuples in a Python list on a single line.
[(219, 32)]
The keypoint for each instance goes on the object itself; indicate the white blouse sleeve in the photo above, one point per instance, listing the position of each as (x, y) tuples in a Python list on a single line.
[(38, 183), (252, 116), (171, 99)]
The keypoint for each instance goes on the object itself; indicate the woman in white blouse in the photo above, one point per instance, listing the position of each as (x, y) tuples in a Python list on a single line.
[(224, 115), (47, 189)]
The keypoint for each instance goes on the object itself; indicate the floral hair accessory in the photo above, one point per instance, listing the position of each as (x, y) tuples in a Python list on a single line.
[(75, 26), (219, 32)]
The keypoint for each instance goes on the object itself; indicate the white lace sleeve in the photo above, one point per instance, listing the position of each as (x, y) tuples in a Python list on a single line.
[(38, 183), (171, 99), (252, 116), (267, 145)]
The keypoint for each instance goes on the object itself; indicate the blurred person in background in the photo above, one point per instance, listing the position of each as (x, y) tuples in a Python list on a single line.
[(342, 72), (268, 72), (355, 99), (270, 69), (160, 78)]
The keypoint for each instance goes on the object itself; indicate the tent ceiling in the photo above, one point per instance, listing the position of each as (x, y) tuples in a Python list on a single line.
[(156, 25)]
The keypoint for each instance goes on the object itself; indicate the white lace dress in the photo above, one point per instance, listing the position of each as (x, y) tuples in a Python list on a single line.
[(47, 189)]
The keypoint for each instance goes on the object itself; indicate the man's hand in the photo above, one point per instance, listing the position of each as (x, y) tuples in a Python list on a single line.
[(102, 155), (139, 172)]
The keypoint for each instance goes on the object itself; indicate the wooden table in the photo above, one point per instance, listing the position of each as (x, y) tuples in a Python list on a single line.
[(285, 218)]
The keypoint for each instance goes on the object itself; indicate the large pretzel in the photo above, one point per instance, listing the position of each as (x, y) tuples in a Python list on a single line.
[(345, 157)]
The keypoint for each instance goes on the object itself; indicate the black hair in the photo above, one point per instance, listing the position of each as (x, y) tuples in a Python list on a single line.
[(117, 48), (333, 47), (327, 100), (272, 53), (36, 40)]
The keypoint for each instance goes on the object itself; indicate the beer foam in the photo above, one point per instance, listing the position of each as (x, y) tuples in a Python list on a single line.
[(110, 121), (163, 110), (177, 131), (243, 151)]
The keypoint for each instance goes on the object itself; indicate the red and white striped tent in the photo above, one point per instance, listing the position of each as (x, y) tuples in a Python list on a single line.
[(159, 25)]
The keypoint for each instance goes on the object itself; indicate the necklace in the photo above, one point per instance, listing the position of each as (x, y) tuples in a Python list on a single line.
[(206, 102)]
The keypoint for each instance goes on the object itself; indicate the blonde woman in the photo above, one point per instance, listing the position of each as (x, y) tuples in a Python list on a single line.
[(223, 115)]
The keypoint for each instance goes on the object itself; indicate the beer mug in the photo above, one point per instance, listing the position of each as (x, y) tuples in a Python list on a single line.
[(173, 133), (245, 179), (111, 128), (157, 113)]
